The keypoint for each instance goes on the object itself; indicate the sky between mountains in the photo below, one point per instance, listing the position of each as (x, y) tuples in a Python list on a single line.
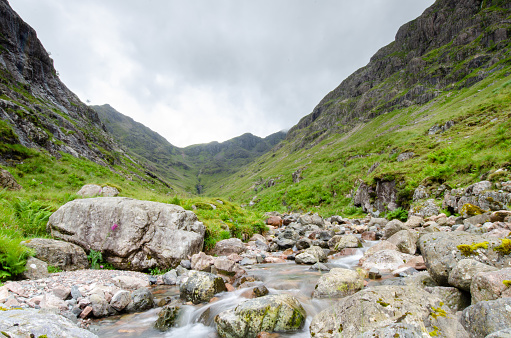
[(197, 71)]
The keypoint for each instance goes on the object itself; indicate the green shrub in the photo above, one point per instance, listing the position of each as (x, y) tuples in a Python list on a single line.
[(400, 214), (31, 216), (95, 259)]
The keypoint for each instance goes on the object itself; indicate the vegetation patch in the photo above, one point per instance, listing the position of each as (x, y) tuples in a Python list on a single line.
[(467, 249), (505, 247)]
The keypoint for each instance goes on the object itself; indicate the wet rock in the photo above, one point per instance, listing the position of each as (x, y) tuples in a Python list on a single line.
[(491, 285), (319, 267), (170, 277), (64, 255), (141, 300), (7, 181), (369, 236), (167, 317), (386, 260), (303, 243), (465, 270), (120, 300), (311, 255), (119, 227), (225, 266), (36, 323), (382, 245), (273, 313), (337, 243), (487, 317), (35, 269), (202, 262), (99, 305), (201, 287), (338, 283), (374, 273), (378, 307), (256, 291)]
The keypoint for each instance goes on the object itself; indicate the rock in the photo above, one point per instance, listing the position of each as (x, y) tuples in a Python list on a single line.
[(380, 306), (141, 300), (382, 245), (201, 287), (379, 222), (202, 262), (93, 190), (455, 299), (405, 156), (303, 243), (286, 243), (414, 222), (386, 260), (35, 269), (167, 317), (7, 181), (38, 323), (186, 263), (130, 282), (273, 313), (99, 305), (393, 227), (225, 266), (443, 250), (62, 292), (337, 243), (64, 255), (499, 216), (275, 221), (465, 270), (374, 273), (424, 209), (338, 283), (506, 333), (131, 234), (120, 300), (228, 246), (405, 241), (368, 236), (491, 285), (170, 277), (311, 219), (394, 330), (257, 291), (319, 267), (312, 255), (487, 317)]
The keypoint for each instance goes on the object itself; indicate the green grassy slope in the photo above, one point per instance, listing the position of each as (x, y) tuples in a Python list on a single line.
[(477, 144)]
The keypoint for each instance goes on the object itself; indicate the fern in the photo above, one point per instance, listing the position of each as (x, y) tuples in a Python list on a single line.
[(13, 257), (32, 216)]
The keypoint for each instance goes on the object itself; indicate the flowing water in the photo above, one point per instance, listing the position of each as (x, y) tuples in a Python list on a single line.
[(197, 321)]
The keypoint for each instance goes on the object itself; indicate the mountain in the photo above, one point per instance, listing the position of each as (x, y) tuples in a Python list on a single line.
[(37, 111), (192, 168), (430, 109)]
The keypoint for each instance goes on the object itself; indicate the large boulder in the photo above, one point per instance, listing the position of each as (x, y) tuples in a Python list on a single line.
[(312, 255), (131, 234), (465, 270), (443, 250), (405, 241), (229, 246), (39, 323), (424, 209), (64, 255), (338, 283), (386, 260), (491, 285), (93, 190), (487, 317), (382, 306), (201, 287), (7, 181), (273, 313), (339, 242)]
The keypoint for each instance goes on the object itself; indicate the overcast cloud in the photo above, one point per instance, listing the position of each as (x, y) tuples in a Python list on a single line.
[(197, 71)]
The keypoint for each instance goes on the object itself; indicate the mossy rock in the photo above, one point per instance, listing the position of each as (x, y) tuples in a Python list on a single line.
[(469, 210)]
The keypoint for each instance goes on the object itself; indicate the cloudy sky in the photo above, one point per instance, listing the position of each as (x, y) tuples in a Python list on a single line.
[(197, 71)]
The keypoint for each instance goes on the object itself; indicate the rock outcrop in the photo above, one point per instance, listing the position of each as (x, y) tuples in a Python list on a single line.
[(131, 234)]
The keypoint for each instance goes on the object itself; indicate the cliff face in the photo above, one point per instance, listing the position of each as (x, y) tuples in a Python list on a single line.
[(438, 51), (40, 109)]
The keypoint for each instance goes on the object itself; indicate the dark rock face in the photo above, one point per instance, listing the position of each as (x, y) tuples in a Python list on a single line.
[(8, 181), (379, 198), (404, 72)]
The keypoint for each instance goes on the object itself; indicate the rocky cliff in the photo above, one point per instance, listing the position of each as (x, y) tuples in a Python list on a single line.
[(41, 111), (436, 52)]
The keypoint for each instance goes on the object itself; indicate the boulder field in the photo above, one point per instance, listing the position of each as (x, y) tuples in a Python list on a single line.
[(429, 276)]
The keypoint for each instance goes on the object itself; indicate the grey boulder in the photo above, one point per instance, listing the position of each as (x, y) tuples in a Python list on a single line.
[(201, 287), (64, 255), (131, 234), (487, 317)]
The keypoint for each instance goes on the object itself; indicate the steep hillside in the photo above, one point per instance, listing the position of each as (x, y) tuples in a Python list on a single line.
[(191, 168), (38, 111), (431, 109), (452, 45)]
